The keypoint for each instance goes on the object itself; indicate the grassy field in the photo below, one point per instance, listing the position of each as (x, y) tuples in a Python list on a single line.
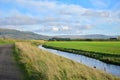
[(42, 65), (104, 47), (2, 41), (105, 51), (12, 41)]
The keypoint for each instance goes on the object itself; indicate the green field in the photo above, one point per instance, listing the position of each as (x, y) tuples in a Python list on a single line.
[(107, 51), (104, 47)]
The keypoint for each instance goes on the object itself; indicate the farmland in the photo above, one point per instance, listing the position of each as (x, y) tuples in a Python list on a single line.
[(107, 51)]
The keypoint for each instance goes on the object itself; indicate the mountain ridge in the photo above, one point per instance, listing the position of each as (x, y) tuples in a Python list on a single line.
[(25, 35)]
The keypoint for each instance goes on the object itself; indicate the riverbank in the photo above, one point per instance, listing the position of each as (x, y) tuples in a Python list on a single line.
[(43, 65), (88, 61), (108, 58)]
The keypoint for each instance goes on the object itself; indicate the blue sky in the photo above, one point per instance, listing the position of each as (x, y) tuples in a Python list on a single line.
[(59, 17)]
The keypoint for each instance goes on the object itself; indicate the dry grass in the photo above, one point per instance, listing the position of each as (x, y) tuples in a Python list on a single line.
[(42, 65)]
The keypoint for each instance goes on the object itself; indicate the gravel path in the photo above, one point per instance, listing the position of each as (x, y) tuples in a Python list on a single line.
[(8, 68)]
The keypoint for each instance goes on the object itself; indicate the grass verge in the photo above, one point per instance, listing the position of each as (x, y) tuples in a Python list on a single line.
[(16, 54)]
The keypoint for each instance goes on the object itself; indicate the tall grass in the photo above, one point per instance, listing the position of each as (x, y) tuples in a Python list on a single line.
[(42, 65), (37, 42)]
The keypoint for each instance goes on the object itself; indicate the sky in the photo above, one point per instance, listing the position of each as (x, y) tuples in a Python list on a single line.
[(61, 17)]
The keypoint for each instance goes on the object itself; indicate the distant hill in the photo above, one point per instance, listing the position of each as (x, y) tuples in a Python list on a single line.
[(92, 36), (10, 33), (15, 34)]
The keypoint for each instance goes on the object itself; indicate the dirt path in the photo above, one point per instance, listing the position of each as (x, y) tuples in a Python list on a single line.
[(8, 68)]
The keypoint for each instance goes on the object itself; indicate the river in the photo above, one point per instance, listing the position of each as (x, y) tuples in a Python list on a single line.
[(109, 68)]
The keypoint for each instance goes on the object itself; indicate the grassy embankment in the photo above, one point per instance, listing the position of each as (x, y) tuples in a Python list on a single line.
[(108, 52), (42, 65)]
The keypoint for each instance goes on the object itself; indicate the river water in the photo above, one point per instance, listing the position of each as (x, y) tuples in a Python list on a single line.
[(109, 68)]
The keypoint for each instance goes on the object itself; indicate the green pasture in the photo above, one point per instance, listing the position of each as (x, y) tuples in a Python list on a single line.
[(110, 47)]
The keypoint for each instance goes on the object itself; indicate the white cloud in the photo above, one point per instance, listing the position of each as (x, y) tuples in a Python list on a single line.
[(104, 14), (78, 32), (97, 13), (89, 26), (19, 20), (37, 6), (71, 9), (65, 28), (55, 29)]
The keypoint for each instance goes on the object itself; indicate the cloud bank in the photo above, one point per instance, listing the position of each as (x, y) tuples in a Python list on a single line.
[(54, 17)]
